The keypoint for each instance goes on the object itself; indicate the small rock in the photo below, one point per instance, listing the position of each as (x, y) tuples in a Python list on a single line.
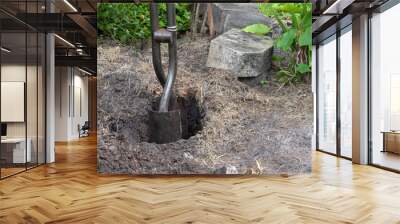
[(187, 155), (229, 169)]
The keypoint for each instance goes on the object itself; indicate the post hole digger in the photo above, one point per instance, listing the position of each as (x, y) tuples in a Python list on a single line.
[(165, 121)]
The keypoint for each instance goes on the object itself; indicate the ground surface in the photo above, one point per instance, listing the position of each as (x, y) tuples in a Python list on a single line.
[(71, 191), (247, 129)]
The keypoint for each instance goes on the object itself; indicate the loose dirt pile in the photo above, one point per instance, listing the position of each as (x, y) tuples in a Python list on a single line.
[(246, 129)]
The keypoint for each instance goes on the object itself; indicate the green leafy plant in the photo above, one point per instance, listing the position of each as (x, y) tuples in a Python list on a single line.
[(295, 21), (128, 22), (263, 83)]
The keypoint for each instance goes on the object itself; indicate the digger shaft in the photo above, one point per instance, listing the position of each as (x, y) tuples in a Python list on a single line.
[(164, 36)]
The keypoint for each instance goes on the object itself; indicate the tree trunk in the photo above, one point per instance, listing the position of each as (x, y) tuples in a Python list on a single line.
[(195, 21)]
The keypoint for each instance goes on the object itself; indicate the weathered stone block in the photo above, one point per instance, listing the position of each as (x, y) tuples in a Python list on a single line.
[(245, 54)]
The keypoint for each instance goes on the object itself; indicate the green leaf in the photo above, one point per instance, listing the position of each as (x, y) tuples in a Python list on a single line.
[(259, 29), (287, 39), (277, 58), (295, 22), (263, 82), (307, 20), (303, 68), (306, 37)]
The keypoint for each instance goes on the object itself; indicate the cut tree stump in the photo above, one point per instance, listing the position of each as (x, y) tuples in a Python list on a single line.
[(245, 54)]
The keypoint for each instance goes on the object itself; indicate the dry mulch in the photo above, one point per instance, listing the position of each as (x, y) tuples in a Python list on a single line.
[(247, 128)]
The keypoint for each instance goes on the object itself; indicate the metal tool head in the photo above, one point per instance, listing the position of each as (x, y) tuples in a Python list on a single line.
[(165, 127)]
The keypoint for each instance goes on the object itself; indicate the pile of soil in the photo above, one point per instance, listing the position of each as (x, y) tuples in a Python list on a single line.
[(246, 128)]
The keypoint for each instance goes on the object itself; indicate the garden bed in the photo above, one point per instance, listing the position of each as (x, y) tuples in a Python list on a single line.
[(246, 128)]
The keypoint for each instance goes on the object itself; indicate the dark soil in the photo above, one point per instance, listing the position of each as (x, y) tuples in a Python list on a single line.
[(245, 128)]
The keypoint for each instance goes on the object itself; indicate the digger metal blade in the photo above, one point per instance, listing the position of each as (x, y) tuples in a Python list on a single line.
[(165, 127)]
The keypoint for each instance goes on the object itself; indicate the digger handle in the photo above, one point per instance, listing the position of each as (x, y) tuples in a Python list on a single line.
[(164, 36)]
